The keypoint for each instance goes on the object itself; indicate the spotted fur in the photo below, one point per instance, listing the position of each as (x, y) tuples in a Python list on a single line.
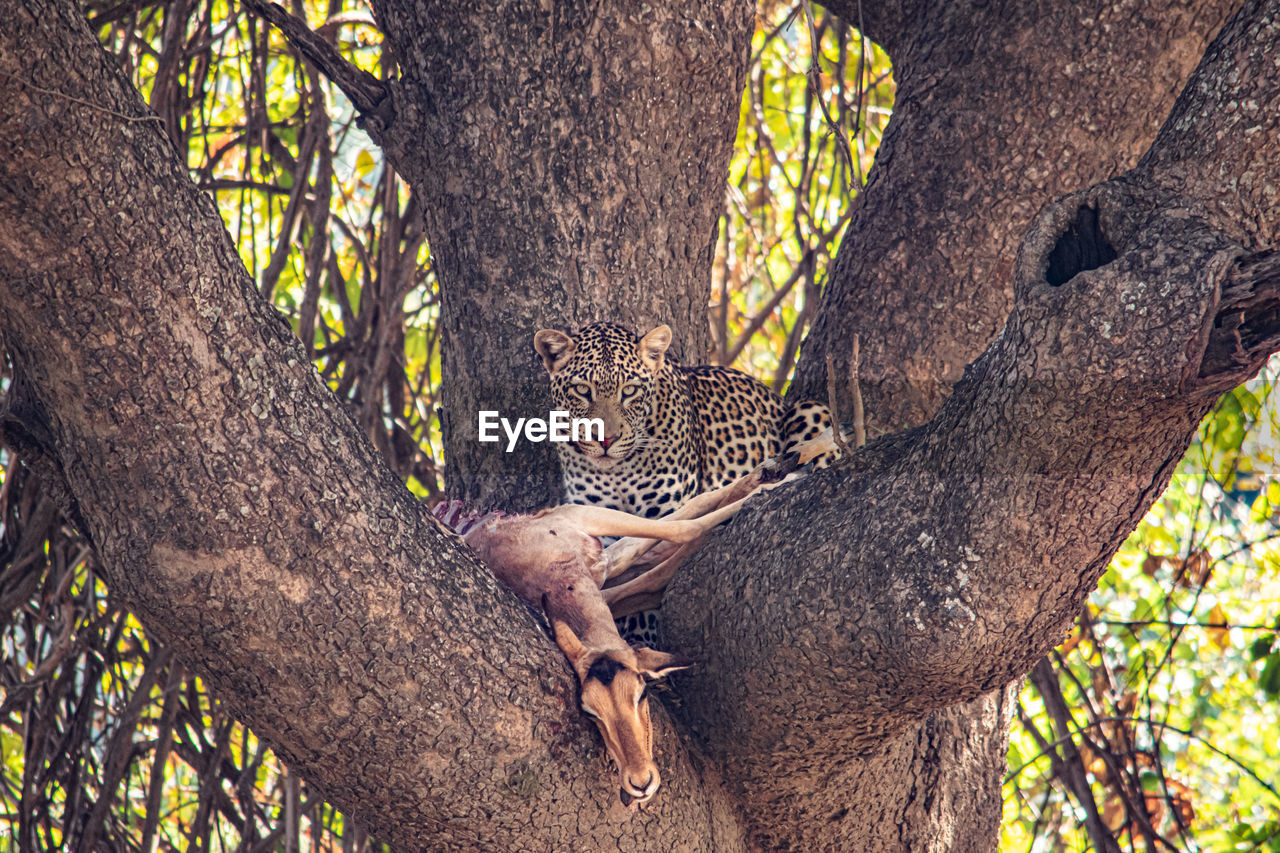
[(670, 431)]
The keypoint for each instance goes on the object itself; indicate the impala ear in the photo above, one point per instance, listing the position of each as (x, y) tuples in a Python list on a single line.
[(568, 642), (555, 348), (656, 664), (653, 345)]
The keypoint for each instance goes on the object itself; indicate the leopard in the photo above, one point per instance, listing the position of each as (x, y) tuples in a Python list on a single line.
[(669, 431)]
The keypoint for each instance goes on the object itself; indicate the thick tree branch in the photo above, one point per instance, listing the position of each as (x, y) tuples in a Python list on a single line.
[(1247, 325), (941, 562), (924, 272), (974, 148), (240, 513), (886, 22), (1236, 92)]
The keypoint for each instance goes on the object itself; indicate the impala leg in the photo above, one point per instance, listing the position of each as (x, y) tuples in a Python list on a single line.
[(599, 521), (703, 523), (634, 604), (714, 499), (608, 522), (644, 592), (655, 579), (644, 533), (691, 521), (765, 475), (809, 450), (622, 554)]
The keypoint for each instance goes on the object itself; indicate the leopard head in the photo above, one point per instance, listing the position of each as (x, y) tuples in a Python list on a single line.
[(604, 371)]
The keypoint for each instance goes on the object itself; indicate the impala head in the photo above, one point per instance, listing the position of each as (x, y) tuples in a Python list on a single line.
[(614, 697)]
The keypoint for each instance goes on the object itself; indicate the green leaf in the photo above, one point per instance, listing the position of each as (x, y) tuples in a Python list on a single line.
[(1269, 680)]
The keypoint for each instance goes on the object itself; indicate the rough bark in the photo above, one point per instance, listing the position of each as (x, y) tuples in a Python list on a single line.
[(562, 190), (974, 147), (988, 525), (999, 108), (240, 512)]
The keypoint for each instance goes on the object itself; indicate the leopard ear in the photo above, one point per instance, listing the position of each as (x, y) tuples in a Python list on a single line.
[(555, 348), (653, 346)]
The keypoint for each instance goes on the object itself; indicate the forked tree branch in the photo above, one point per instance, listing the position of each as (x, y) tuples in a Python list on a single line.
[(1077, 98), (941, 562), (243, 516)]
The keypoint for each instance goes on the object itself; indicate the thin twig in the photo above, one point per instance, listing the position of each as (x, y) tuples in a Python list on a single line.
[(119, 753), (1071, 765), (814, 77), (64, 96), (859, 417), (762, 316), (860, 89), (365, 91), (836, 432), (1062, 740), (1132, 624)]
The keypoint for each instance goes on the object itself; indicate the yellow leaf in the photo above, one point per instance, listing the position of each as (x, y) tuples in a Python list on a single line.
[(1219, 634), (1113, 813)]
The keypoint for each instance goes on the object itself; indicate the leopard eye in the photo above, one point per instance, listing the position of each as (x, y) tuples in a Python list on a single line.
[(582, 390), (629, 391)]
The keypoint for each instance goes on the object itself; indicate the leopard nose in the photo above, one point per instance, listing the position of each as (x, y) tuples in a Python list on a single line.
[(608, 440)]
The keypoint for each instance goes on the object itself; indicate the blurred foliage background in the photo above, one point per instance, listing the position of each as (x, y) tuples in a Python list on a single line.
[(1154, 725)]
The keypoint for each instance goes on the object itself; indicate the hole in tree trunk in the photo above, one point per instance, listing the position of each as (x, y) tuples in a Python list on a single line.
[(1081, 247)]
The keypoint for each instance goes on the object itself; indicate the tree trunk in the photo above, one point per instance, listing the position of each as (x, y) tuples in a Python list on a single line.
[(561, 192), (247, 521), (242, 515), (973, 149), (1104, 374)]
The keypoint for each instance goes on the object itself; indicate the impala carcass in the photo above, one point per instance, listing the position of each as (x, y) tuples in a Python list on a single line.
[(554, 560)]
